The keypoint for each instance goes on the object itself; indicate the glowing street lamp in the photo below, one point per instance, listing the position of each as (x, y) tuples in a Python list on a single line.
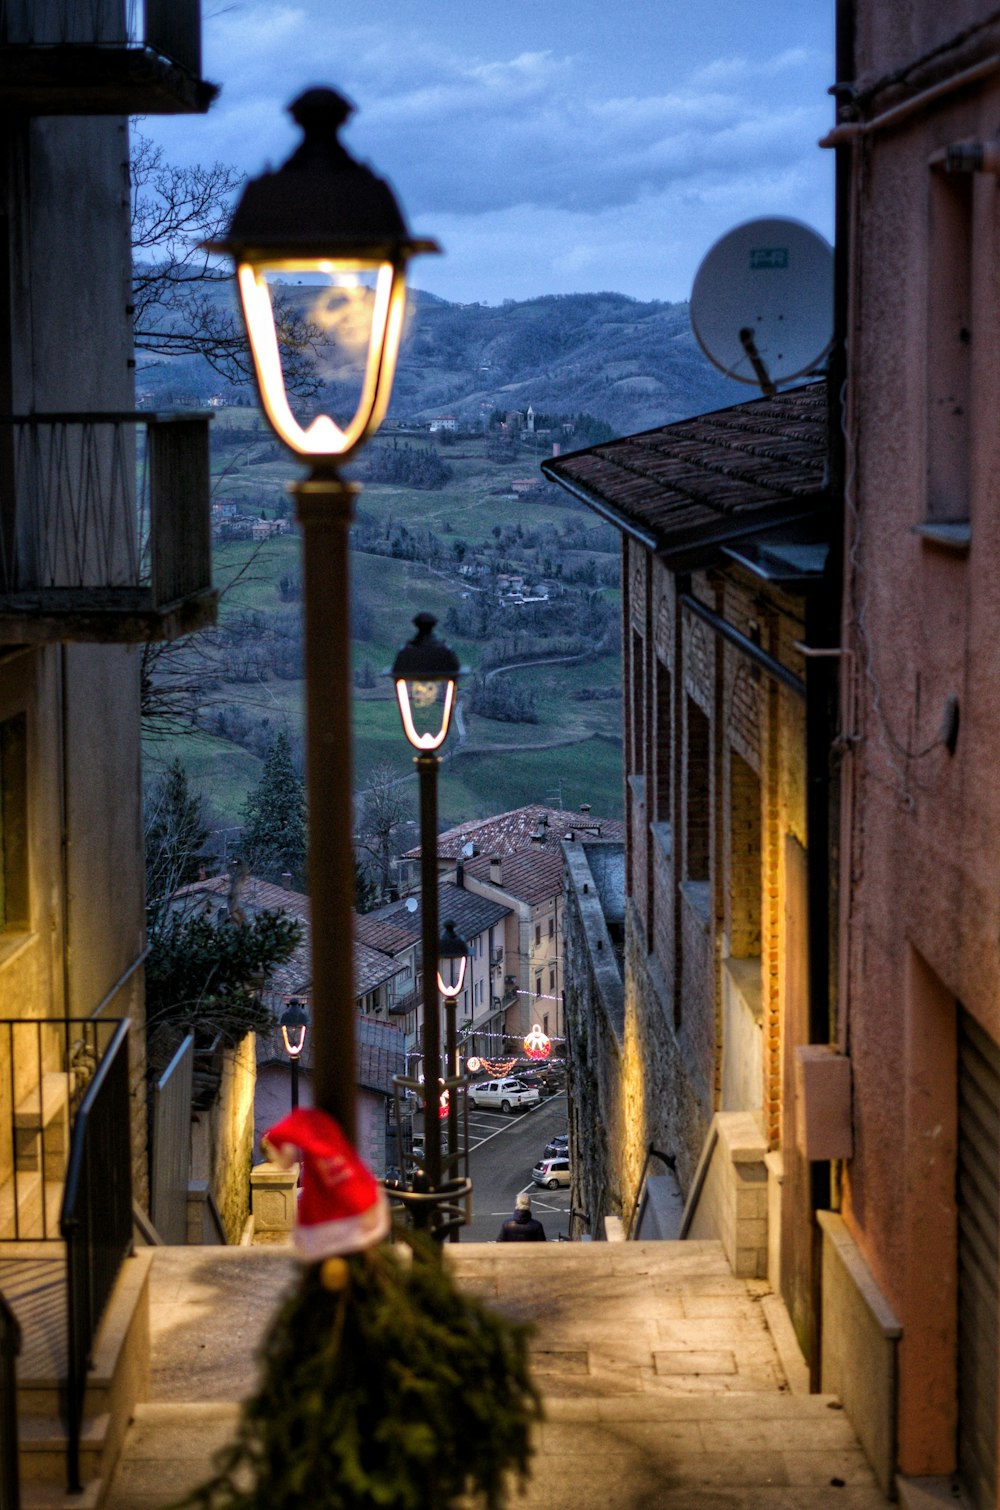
[(333, 226), (426, 673), (453, 959), (293, 1023)]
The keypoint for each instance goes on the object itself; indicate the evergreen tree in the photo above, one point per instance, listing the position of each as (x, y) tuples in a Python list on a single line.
[(274, 817), (176, 835)]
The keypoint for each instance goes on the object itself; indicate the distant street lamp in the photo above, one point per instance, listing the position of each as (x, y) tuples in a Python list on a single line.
[(333, 225), (453, 959), (426, 673), (293, 1022)]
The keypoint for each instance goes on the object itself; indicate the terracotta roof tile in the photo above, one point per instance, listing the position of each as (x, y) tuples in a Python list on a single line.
[(689, 488), (506, 833)]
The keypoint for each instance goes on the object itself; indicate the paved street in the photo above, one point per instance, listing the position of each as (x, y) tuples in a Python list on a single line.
[(502, 1149), (668, 1383)]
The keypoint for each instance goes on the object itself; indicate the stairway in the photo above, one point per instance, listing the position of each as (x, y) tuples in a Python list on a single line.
[(33, 1279), (664, 1387)]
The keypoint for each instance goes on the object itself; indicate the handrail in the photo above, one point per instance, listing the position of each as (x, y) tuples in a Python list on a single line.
[(10, 1346), (652, 1152), (96, 1222)]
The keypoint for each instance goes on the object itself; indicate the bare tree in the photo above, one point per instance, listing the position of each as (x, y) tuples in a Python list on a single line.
[(179, 307), (384, 809)]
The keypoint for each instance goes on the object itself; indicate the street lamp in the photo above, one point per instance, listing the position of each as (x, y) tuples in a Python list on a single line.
[(335, 227), (293, 1023), (453, 959), (426, 673)]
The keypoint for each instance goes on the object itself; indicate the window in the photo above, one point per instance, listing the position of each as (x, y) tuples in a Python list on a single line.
[(13, 824), (664, 726), (545, 1024), (538, 934), (552, 980), (638, 691), (538, 985), (949, 346), (697, 794), (552, 928), (744, 859)]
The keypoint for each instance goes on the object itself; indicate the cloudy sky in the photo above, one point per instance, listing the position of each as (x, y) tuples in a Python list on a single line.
[(557, 146)]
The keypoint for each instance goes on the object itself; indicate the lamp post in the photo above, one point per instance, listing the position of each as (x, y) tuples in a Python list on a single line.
[(426, 673), (453, 959), (336, 227), (293, 1022)]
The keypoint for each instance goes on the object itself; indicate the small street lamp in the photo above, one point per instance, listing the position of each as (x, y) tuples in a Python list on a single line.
[(426, 673), (453, 959), (334, 226), (293, 1022)]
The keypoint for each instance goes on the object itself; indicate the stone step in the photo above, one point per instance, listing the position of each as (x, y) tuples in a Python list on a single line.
[(43, 1444), (50, 1496)]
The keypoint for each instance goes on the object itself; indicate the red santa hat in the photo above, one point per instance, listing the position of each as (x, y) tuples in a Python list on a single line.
[(342, 1208)]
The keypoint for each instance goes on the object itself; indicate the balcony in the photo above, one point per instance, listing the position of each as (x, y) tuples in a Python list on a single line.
[(104, 528), (112, 57)]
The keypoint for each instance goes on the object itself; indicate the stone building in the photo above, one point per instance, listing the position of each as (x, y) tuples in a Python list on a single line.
[(687, 970)]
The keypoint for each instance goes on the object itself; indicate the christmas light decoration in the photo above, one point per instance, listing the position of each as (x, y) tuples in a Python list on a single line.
[(537, 1045), (498, 1067), (474, 1065)]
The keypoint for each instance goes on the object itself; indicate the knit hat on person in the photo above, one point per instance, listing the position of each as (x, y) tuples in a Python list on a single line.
[(342, 1208), (523, 1202)]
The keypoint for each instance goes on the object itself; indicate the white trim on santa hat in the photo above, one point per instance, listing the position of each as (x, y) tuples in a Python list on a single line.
[(346, 1234)]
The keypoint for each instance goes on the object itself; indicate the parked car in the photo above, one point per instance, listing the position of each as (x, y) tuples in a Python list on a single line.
[(557, 1146), (551, 1173), (508, 1095)]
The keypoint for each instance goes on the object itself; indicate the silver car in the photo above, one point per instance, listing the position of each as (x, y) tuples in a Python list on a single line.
[(551, 1173)]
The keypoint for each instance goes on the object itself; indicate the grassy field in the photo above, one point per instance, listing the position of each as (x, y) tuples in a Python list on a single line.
[(570, 755)]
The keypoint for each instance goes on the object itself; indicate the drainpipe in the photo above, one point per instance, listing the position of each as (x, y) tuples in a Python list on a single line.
[(823, 632)]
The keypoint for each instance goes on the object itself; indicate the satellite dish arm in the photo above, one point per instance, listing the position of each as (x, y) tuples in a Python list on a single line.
[(756, 361)]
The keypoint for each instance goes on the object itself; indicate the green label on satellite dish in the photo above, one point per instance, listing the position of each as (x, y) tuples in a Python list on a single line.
[(767, 258)]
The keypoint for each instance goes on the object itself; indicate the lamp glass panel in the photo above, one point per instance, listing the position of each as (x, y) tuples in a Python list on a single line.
[(451, 975), (325, 337), (425, 707)]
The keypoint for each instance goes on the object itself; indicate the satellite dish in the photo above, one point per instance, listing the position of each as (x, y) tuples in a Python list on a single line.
[(468, 850), (762, 302), (412, 904)]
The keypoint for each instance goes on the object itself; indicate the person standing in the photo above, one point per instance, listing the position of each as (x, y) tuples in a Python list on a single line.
[(522, 1227)]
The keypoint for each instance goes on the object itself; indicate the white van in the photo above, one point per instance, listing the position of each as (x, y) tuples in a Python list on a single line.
[(508, 1095)]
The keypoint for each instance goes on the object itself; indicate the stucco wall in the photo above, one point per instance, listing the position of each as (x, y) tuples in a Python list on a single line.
[(223, 1138), (922, 825), (63, 188)]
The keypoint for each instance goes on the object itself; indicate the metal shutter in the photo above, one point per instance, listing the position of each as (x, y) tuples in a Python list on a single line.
[(978, 1230)]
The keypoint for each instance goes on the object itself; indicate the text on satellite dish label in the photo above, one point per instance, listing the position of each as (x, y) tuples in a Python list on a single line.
[(768, 257)]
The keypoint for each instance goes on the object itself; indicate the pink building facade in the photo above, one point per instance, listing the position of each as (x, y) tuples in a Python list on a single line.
[(918, 1004)]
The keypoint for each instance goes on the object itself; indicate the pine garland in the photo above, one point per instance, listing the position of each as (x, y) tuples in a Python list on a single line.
[(384, 1386)]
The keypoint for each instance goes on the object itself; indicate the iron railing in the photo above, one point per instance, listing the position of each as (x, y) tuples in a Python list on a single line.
[(103, 512), (170, 28), (10, 1346), (47, 1067), (96, 1222)]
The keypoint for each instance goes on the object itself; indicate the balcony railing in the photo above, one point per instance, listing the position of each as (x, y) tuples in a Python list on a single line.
[(104, 57), (104, 527), (48, 1064)]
